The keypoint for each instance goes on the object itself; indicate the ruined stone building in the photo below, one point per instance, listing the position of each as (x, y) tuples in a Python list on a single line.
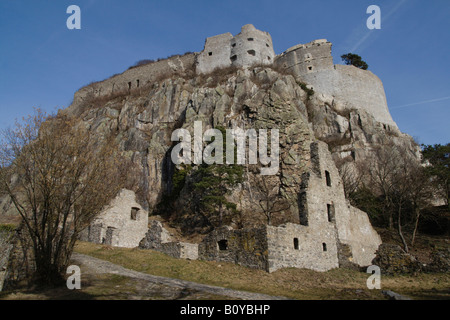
[(122, 224), (331, 232)]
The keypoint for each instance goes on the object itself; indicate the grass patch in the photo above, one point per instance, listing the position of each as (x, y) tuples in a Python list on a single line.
[(292, 283)]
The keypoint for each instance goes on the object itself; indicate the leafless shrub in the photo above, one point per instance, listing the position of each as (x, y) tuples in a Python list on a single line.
[(65, 177)]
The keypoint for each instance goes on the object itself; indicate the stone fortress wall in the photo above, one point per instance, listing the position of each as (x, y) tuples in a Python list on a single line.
[(250, 47), (136, 77), (307, 58), (311, 63), (216, 54), (354, 87)]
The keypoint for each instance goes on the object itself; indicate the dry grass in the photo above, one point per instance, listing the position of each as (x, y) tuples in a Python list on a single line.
[(292, 283)]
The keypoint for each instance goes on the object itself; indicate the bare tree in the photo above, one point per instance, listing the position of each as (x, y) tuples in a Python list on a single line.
[(399, 179), (352, 176), (268, 196), (414, 185), (381, 171), (59, 177)]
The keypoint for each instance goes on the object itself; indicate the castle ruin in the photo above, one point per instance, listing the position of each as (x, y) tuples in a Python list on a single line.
[(311, 63), (329, 233)]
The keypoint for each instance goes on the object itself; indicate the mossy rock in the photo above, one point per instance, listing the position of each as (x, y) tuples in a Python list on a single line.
[(392, 260)]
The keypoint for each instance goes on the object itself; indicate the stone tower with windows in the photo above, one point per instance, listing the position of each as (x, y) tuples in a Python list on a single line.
[(249, 47)]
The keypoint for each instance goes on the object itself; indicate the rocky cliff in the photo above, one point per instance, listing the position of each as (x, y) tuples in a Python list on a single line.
[(143, 119)]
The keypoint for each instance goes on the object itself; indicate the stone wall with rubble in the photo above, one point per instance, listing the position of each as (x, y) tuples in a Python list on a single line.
[(180, 250), (159, 239), (313, 243), (246, 247), (123, 224)]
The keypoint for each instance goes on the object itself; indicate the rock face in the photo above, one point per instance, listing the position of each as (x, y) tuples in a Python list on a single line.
[(307, 181)]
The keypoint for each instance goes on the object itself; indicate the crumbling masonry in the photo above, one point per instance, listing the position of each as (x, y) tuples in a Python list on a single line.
[(328, 226), (327, 223)]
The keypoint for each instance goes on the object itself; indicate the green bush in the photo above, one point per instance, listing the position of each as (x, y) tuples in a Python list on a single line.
[(305, 88)]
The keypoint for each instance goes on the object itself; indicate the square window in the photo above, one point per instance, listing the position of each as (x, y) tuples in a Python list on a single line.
[(222, 245)]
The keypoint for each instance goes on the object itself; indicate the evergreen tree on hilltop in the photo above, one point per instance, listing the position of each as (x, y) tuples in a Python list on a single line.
[(354, 60)]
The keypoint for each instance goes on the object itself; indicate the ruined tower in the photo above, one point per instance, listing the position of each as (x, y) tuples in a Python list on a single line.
[(251, 46)]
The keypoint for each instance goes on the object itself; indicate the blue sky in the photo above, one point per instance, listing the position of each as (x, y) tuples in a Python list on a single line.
[(42, 63)]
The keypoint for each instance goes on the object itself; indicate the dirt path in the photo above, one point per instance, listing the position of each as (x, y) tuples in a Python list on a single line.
[(94, 265)]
